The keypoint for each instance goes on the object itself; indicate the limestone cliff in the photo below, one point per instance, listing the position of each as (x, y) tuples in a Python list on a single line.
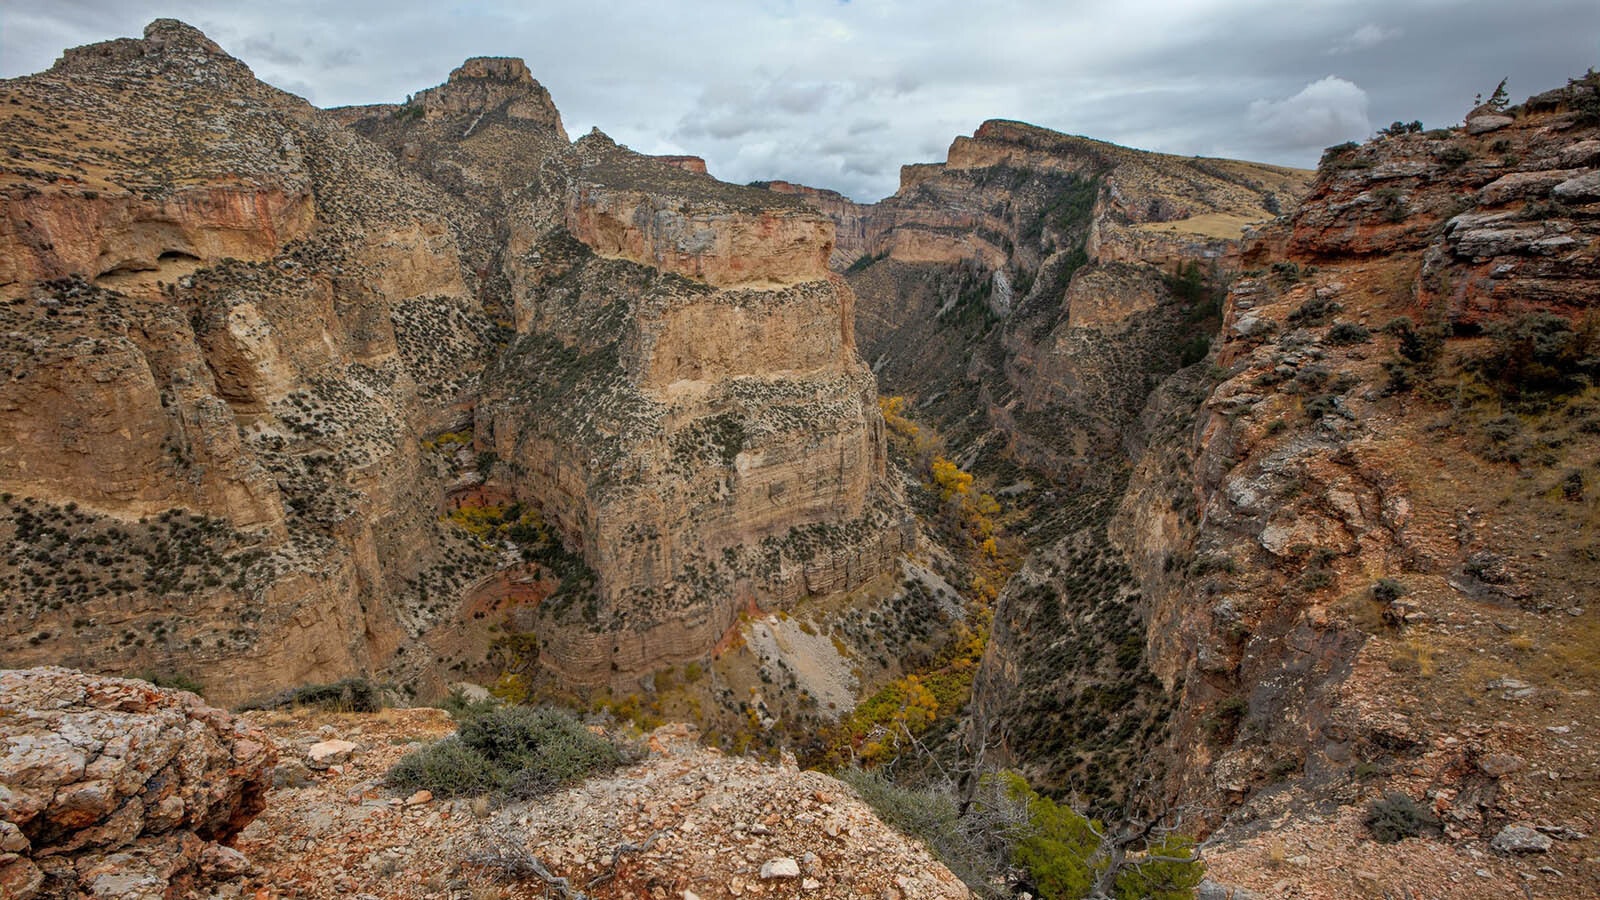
[(1028, 294), (1024, 277), (246, 343)]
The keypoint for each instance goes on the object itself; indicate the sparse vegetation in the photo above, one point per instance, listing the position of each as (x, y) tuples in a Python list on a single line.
[(1400, 129), (348, 695), (1396, 817), (1061, 854), (865, 261), (1346, 333), (514, 751)]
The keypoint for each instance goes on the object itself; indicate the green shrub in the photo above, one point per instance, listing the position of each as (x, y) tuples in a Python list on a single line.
[(865, 261), (461, 708), (1455, 156), (1314, 311), (349, 695), (1387, 590), (976, 846), (175, 681), (1542, 352), (448, 768), (1057, 847), (1166, 871), (515, 750), (1585, 93), (1397, 817), (1401, 128), (1348, 333), (921, 812)]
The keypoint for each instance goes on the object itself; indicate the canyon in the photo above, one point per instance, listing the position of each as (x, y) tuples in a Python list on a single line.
[(1279, 485)]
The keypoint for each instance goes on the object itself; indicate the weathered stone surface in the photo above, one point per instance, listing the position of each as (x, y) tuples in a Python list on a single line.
[(262, 345), (329, 753), (1520, 839), (120, 789), (485, 84), (1487, 123), (782, 868), (624, 205), (1579, 189)]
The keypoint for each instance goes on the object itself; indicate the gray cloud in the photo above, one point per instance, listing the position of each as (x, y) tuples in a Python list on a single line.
[(1365, 37), (841, 94), (1324, 112)]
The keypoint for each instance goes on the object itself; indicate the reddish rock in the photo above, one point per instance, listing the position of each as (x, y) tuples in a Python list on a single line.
[(117, 788)]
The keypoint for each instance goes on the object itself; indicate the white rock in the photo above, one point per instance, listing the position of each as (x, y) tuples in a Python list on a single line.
[(330, 753), (1520, 839), (782, 867)]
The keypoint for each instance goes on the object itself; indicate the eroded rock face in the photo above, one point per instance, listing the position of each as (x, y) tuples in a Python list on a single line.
[(697, 422), (1321, 565), (1052, 253), (114, 788), (485, 84), (250, 373), (228, 345), (633, 207)]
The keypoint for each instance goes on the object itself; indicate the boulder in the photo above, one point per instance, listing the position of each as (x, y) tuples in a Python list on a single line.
[(1486, 124), (112, 787), (330, 753), (1520, 839), (1579, 189)]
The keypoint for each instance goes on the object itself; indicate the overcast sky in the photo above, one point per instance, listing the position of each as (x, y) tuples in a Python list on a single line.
[(840, 94)]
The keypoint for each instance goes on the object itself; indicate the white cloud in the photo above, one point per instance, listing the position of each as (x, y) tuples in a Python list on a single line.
[(1365, 38), (1325, 112)]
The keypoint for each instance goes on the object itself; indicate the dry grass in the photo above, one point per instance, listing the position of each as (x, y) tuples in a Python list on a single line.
[(1212, 225), (1415, 658)]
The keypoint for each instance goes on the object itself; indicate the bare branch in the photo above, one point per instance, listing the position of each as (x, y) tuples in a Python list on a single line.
[(512, 859), (625, 847)]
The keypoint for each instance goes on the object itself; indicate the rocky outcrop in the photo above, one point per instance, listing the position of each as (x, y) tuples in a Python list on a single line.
[(232, 346), (852, 222), (1337, 534), (1053, 254), (486, 84), (245, 368), (632, 207), (692, 164), (114, 788), (701, 822)]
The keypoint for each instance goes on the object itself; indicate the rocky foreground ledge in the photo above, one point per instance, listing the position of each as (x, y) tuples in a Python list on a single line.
[(683, 823), (111, 787)]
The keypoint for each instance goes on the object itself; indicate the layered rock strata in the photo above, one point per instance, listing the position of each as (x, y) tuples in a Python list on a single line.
[(686, 402), (113, 788), (1379, 501), (245, 341), (1026, 276)]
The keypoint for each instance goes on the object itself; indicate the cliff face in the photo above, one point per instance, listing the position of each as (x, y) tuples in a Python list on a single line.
[(1024, 277), (1024, 295), (686, 403), (246, 342), (1371, 573), (228, 321), (682, 400)]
